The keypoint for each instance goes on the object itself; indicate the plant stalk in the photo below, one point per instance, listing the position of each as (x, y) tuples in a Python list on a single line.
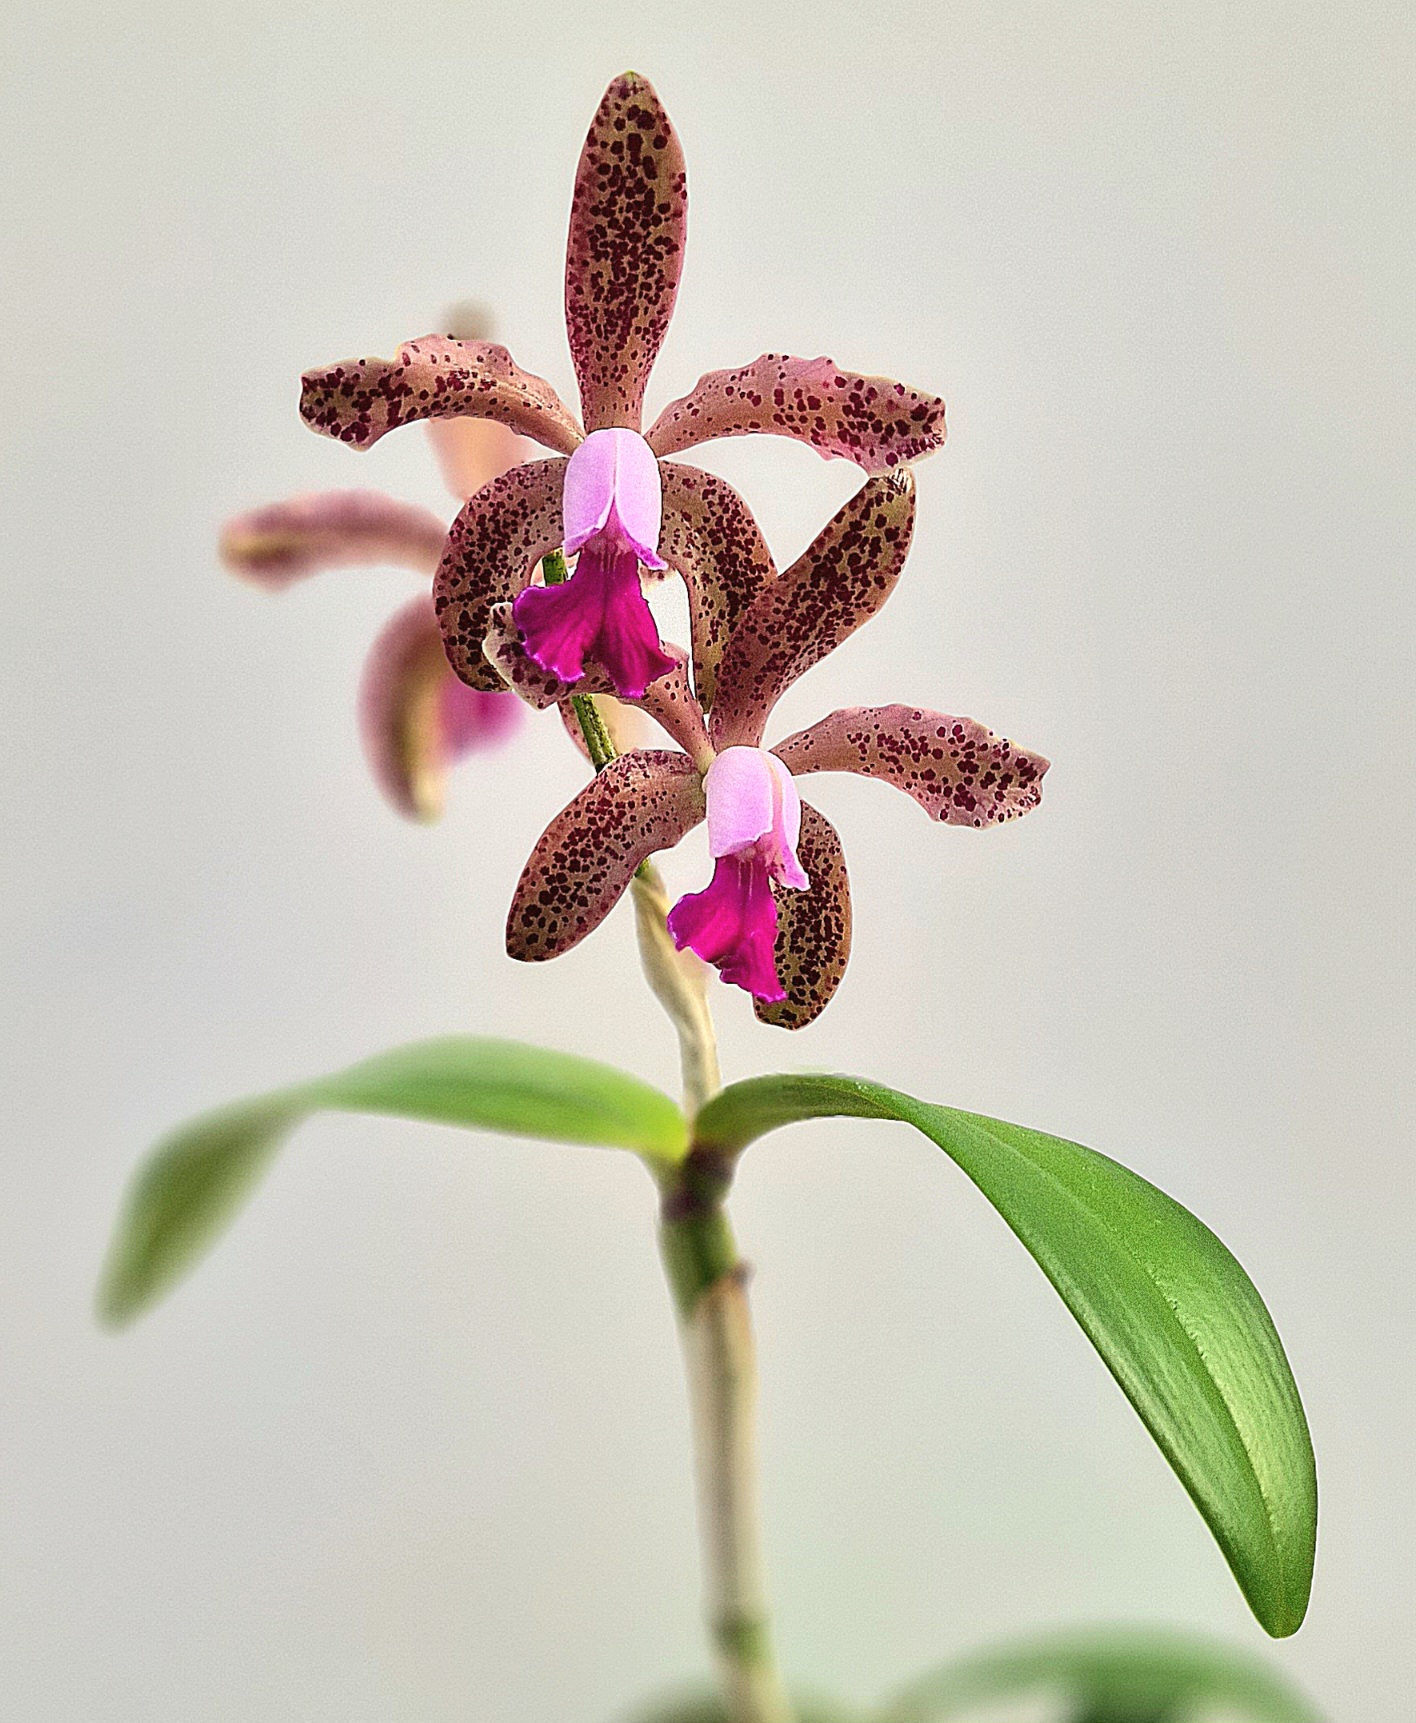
[(709, 1282)]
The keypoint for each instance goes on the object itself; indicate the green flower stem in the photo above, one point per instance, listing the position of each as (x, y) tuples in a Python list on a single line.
[(709, 1283)]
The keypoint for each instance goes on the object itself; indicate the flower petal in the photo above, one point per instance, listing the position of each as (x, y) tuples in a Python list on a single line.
[(872, 421), (599, 614), (837, 584), (732, 924), (416, 717), (625, 251), (956, 770), (710, 537), (492, 547), (283, 542), (640, 803), (473, 452), (361, 400), (669, 700), (742, 800), (813, 928), (612, 490)]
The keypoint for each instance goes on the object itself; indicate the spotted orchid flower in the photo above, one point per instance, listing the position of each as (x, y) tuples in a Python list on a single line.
[(775, 919), (415, 716), (609, 492)]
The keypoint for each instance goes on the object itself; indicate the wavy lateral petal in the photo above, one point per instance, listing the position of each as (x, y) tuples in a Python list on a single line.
[(283, 542), (956, 770), (361, 400), (873, 421), (624, 255), (1176, 1320), (416, 718), (492, 549), (710, 537), (813, 928), (837, 584), (586, 857), (669, 701), (192, 1185)]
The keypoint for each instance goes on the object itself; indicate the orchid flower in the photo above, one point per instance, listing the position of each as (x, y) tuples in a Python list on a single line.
[(415, 716), (776, 917), (609, 494)]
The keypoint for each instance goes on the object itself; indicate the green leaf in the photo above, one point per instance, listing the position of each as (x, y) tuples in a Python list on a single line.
[(1120, 1675), (198, 1177), (1173, 1315)]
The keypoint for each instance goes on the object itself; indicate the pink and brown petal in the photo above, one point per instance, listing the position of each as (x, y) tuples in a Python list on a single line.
[(625, 251), (361, 400), (813, 929), (875, 422), (584, 860), (711, 538), (834, 587), (958, 771), (492, 550)]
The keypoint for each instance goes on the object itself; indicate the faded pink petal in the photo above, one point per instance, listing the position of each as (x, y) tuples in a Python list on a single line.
[(473, 452), (361, 400), (955, 769), (599, 613), (813, 929), (732, 924), (625, 251), (753, 805), (416, 718), (710, 537), (586, 857), (283, 542), (872, 421), (612, 495), (492, 548), (837, 584)]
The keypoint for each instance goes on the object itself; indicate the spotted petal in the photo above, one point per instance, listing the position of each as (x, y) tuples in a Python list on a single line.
[(813, 928), (625, 251), (837, 584), (416, 718), (710, 537), (283, 542), (586, 857), (956, 770), (872, 421), (492, 548), (361, 400)]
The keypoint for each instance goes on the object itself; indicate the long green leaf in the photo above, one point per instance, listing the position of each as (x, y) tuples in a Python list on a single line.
[(1173, 1315), (1121, 1675), (197, 1178)]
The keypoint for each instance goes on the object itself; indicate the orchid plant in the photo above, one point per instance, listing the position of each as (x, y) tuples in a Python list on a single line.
[(1171, 1312)]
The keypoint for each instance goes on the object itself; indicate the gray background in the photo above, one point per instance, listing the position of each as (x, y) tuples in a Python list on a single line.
[(412, 1444)]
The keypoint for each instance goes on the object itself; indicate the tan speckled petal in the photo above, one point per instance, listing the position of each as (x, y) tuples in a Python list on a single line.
[(360, 400), (710, 537), (813, 928), (625, 252), (872, 421), (492, 549), (837, 584), (956, 770), (586, 857)]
